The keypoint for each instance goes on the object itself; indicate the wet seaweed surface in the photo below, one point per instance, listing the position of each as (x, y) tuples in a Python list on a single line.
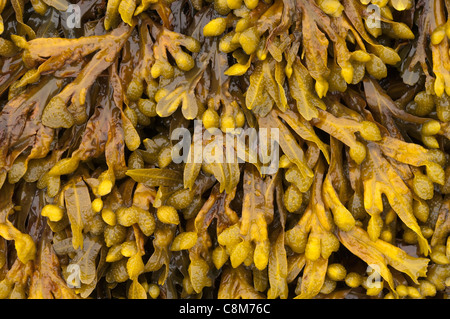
[(93, 203)]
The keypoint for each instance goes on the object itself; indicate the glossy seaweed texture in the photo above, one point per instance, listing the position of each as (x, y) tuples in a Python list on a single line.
[(93, 204)]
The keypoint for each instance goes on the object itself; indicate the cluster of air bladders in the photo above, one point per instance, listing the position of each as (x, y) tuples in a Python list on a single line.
[(94, 206)]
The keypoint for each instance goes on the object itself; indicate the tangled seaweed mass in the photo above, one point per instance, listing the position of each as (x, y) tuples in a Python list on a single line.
[(93, 204)]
